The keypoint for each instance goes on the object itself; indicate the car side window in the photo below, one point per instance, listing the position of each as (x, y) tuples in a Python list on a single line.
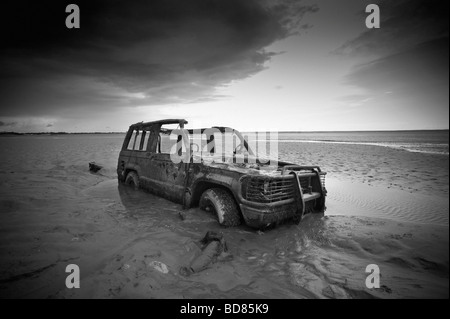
[(138, 140), (132, 141), (145, 140), (168, 144), (165, 143)]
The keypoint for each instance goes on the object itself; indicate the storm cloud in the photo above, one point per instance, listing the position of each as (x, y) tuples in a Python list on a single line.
[(134, 53), (407, 58), (404, 25), (7, 123)]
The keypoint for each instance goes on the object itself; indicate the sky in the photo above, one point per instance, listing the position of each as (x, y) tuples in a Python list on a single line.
[(278, 65)]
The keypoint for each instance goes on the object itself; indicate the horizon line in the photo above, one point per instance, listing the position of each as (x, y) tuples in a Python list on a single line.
[(332, 131)]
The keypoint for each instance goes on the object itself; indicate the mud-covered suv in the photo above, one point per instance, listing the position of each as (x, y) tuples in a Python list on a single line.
[(186, 166)]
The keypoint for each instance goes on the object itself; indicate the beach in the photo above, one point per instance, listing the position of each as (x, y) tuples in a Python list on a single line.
[(386, 206)]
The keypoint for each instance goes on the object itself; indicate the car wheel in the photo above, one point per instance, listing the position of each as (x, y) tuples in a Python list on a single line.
[(220, 202), (132, 180)]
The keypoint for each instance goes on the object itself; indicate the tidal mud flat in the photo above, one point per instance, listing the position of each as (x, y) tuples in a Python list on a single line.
[(54, 212)]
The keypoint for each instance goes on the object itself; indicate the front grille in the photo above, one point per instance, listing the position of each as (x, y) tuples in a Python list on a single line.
[(305, 183), (269, 190)]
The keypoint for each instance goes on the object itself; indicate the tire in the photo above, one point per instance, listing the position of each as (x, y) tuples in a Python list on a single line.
[(132, 179), (222, 203)]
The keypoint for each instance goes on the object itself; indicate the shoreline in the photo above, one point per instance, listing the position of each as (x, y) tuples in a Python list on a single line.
[(280, 132)]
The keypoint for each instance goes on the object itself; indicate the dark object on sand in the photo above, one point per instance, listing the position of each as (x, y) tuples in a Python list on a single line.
[(237, 186), (94, 167), (214, 247), (213, 236)]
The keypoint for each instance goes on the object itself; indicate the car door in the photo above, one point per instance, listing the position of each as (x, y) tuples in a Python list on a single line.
[(160, 174)]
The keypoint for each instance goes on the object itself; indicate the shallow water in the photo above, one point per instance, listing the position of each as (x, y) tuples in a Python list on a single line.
[(54, 212), (432, 142)]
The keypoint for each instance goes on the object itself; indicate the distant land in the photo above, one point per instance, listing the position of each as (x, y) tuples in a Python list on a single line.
[(57, 133), (11, 133)]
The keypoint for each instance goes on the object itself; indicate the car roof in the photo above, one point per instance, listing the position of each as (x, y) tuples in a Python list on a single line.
[(181, 122), (160, 122)]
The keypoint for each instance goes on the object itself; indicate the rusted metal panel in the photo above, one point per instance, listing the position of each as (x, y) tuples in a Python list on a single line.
[(263, 197)]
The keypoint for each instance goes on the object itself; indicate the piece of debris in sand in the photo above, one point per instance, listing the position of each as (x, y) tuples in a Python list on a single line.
[(214, 248), (159, 266), (94, 167)]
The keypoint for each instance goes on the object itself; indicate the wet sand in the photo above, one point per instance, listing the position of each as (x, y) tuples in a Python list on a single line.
[(54, 212), (416, 173)]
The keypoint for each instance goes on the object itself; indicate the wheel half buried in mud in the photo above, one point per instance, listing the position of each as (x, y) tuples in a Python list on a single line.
[(132, 180), (222, 203)]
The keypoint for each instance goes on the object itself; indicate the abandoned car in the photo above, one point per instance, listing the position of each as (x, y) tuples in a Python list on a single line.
[(190, 167)]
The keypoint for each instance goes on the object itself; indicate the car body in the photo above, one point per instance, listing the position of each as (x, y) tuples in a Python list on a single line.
[(239, 187)]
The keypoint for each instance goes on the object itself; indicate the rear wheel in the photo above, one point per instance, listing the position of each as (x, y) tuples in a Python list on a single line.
[(220, 202), (132, 180)]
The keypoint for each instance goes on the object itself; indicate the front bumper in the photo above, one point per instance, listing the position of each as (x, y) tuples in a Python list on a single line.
[(261, 216), (281, 201)]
